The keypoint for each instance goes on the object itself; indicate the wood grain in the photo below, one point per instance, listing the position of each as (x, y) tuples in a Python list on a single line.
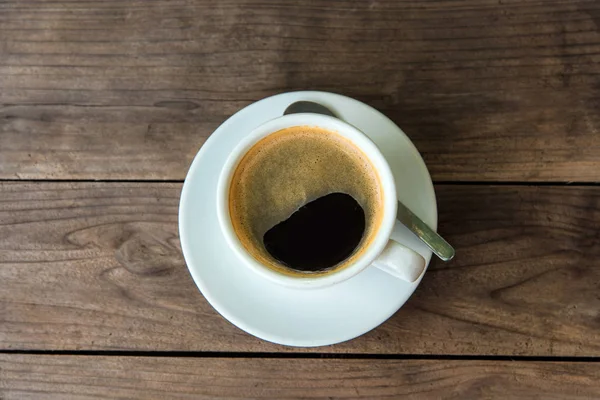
[(98, 266), (488, 90), (26, 376)]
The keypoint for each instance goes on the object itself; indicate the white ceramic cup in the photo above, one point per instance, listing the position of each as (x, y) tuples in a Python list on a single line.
[(384, 253)]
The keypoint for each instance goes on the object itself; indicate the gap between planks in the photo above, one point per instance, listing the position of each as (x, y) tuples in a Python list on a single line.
[(224, 354)]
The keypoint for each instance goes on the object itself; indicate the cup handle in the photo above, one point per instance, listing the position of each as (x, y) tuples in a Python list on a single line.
[(400, 262)]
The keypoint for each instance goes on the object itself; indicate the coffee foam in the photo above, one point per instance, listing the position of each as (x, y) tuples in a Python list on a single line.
[(290, 168)]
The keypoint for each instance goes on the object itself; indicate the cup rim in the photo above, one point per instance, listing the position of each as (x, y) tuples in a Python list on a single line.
[(360, 140)]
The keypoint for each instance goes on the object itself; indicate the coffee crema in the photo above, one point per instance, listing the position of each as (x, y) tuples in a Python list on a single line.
[(289, 169)]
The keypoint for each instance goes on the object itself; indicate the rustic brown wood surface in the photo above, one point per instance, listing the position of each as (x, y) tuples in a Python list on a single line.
[(496, 94), (26, 376), (489, 90), (97, 266)]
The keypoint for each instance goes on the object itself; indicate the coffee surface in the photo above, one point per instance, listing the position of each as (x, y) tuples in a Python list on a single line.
[(319, 235), (290, 168)]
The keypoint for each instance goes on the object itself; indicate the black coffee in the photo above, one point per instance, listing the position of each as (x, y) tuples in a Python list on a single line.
[(319, 235)]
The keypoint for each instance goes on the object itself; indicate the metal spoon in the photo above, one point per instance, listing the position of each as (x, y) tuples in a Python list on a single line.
[(435, 242), (308, 107)]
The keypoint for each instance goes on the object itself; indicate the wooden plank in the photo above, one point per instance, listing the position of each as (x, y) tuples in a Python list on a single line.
[(98, 266), (37, 376), (130, 90)]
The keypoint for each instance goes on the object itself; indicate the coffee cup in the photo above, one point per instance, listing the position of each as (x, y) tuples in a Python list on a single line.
[(335, 153)]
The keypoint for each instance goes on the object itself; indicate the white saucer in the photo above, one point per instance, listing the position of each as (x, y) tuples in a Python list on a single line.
[(296, 317)]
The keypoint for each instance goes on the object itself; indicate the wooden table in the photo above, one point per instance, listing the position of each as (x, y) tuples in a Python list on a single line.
[(103, 104)]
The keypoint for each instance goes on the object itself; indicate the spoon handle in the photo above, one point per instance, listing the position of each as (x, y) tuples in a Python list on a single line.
[(435, 242)]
